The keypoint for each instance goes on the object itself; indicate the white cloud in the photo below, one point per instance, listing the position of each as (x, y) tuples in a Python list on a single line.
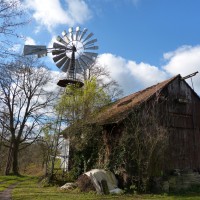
[(52, 13), (185, 60), (117, 66), (130, 75), (52, 84), (146, 74), (78, 11), (30, 41), (169, 55), (133, 76)]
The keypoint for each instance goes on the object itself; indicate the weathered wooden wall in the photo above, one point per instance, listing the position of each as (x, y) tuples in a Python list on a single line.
[(178, 110), (183, 113)]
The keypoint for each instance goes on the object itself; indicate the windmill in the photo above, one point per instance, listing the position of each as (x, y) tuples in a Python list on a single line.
[(73, 53)]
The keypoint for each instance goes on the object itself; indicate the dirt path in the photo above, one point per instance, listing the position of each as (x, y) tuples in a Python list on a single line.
[(6, 194)]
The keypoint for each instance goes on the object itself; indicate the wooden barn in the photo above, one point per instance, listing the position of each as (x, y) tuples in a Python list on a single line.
[(175, 108)]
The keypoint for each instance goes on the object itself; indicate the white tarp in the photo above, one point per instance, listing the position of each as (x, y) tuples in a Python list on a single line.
[(97, 175)]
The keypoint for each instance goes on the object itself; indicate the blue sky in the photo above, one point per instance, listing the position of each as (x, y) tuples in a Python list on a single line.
[(141, 42)]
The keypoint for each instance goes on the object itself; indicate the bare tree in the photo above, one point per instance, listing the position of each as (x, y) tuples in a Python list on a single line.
[(12, 17), (51, 140), (24, 101), (104, 80), (10, 14)]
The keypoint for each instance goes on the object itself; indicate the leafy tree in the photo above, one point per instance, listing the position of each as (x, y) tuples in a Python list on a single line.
[(81, 103), (78, 106), (24, 105)]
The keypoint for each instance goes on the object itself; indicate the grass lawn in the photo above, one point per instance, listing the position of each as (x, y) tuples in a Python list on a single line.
[(29, 189), (5, 181)]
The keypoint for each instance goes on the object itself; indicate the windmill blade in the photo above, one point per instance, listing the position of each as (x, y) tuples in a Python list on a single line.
[(59, 39), (90, 42), (80, 65), (65, 37), (65, 67), (61, 62), (77, 32), (83, 33), (87, 60), (57, 58), (88, 57), (75, 68), (84, 65), (89, 36), (71, 36), (78, 68), (90, 54), (34, 50), (64, 33), (56, 52), (71, 33), (92, 47), (70, 29), (58, 46)]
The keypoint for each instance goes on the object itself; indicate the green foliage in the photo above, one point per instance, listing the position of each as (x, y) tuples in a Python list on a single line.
[(138, 152), (193, 189), (78, 106), (82, 103), (85, 150)]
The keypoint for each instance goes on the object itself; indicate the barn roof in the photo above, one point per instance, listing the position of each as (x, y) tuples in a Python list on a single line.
[(118, 110)]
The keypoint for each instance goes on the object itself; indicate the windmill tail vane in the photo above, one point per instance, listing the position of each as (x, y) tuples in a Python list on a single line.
[(38, 50)]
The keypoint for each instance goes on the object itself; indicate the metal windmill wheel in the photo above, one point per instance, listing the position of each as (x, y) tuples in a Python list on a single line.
[(73, 53)]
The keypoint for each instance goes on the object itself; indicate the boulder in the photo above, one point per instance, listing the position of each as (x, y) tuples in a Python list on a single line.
[(69, 186)]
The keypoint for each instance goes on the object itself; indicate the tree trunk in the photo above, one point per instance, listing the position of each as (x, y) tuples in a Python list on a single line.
[(55, 150), (108, 147), (15, 168), (9, 161)]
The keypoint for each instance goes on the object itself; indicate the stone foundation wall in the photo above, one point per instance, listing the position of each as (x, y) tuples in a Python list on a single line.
[(181, 180)]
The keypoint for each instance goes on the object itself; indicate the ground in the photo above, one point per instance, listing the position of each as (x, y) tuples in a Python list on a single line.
[(28, 188), (7, 193)]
